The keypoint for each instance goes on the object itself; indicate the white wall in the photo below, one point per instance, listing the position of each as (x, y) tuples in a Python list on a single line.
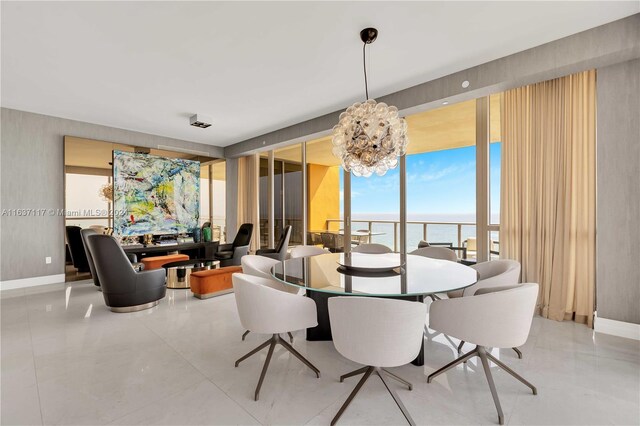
[(618, 202)]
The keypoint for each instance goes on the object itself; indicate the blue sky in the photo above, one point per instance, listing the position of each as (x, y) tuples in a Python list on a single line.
[(438, 183)]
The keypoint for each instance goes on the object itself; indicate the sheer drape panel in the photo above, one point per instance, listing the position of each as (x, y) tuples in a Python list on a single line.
[(248, 195), (548, 191)]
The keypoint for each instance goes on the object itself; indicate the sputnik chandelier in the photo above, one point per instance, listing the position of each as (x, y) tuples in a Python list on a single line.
[(370, 136)]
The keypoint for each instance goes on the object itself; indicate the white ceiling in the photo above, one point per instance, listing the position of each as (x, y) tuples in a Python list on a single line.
[(253, 66)]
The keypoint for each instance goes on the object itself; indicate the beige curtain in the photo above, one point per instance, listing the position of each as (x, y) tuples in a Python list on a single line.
[(248, 195), (548, 190)]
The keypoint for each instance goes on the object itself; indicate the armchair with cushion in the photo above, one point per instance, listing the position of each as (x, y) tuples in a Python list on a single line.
[(280, 252), (124, 289), (230, 254), (131, 256)]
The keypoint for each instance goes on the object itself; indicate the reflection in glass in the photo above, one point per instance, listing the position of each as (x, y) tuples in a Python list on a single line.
[(324, 194)]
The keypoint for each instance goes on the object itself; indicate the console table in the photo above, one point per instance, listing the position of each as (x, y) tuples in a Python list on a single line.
[(202, 250)]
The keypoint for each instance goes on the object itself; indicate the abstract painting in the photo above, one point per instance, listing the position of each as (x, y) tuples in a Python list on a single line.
[(154, 195)]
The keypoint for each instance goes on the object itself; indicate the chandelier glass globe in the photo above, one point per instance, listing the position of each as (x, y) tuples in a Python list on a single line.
[(369, 138)]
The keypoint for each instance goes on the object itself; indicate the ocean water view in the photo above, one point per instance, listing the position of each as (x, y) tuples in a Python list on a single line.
[(440, 188), (436, 233)]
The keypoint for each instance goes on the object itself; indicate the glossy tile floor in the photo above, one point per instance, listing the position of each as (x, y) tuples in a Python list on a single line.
[(66, 359)]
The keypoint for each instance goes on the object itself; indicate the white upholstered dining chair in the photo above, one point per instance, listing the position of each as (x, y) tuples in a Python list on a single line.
[(306, 251), (260, 266), (379, 333), (493, 274), (432, 252), (265, 310), (496, 319), (371, 248), (441, 253), (496, 274)]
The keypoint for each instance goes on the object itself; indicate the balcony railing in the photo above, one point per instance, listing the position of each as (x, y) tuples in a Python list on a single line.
[(396, 228)]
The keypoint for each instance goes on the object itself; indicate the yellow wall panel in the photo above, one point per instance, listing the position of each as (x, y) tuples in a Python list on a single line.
[(323, 194)]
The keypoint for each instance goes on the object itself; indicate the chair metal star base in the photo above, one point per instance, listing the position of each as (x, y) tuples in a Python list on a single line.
[(244, 335), (516, 350), (275, 340), (381, 372), (480, 351)]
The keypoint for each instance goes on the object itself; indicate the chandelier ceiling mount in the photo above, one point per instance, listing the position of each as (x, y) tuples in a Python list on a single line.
[(368, 35)]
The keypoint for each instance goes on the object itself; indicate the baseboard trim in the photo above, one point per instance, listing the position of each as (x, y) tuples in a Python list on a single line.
[(617, 328), (31, 282)]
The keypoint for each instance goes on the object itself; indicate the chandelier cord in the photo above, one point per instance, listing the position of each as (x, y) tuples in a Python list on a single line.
[(364, 65)]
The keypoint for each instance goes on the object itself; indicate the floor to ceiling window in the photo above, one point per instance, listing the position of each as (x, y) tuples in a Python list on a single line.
[(264, 200), (495, 167), (218, 209), (375, 209), (205, 194), (441, 178), (281, 195), (441, 187), (288, 192), (213, 198)]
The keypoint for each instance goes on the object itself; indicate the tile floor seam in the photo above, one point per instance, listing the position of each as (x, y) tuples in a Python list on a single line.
[(33, 358), (161, 397), (110, 422), (341, 397), (513, 410), (234, 399), (199, 371)]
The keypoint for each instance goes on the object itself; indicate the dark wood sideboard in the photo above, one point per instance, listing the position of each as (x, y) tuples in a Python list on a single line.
[(200, 250)]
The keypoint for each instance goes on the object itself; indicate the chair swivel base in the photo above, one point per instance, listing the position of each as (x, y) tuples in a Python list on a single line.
[(516, 350), (244, 335), (381, 372), (136, 308), (275, 340), (485, 357)]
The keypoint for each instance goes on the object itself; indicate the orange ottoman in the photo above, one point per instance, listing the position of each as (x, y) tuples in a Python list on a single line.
[(214, 282), (156, 262)]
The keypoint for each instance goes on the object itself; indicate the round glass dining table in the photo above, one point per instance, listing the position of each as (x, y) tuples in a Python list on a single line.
[(387, 275)]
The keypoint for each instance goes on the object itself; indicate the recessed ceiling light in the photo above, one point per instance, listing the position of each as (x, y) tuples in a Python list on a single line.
[(445, 103), (465, 84)]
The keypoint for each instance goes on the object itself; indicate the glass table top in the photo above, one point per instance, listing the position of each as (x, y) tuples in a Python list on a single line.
[(418, 276)]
